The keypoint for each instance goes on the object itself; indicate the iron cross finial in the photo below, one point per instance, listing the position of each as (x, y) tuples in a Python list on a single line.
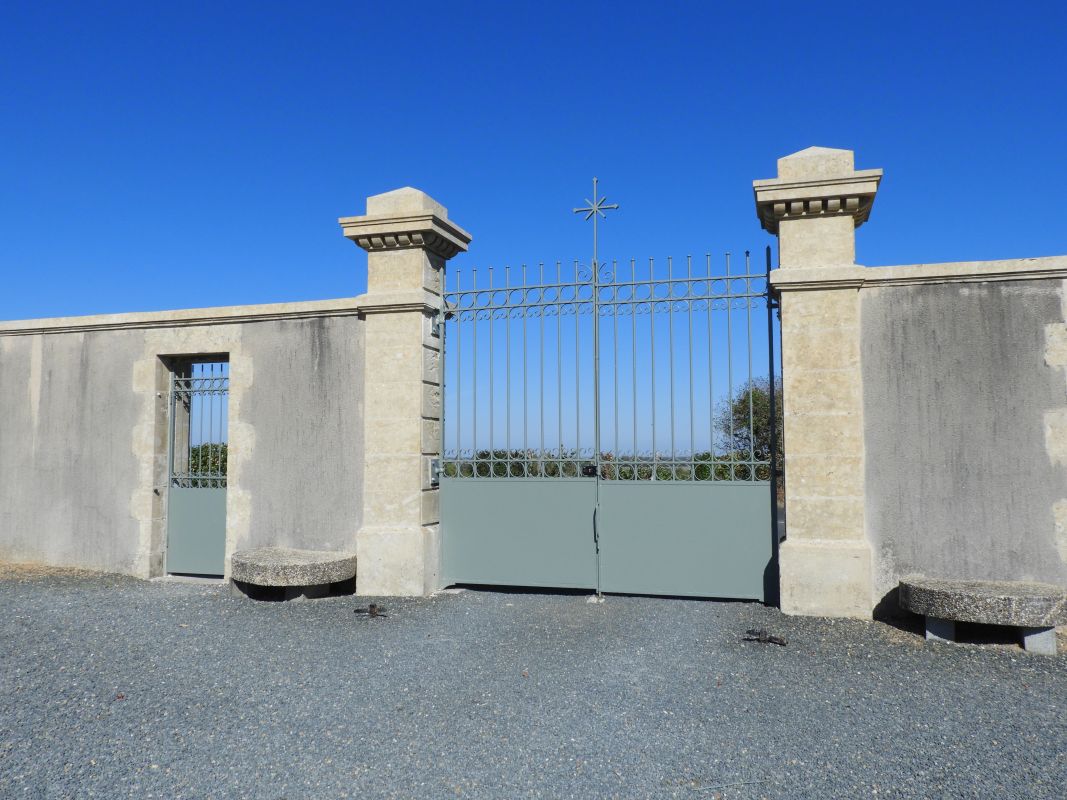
[(595, 208)]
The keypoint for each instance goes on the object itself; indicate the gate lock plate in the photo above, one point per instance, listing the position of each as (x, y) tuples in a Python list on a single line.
[(589, 471)]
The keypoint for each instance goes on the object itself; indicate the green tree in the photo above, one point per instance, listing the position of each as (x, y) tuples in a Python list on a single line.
[(743, 423), (208, 459)]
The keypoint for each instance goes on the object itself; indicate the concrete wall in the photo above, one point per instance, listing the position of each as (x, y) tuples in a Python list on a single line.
[(83, 431), (957, 394), (306, 406), (67, 467), (925, 405)]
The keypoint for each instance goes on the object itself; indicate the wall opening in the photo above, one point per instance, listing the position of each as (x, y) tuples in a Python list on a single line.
[(197, 458)]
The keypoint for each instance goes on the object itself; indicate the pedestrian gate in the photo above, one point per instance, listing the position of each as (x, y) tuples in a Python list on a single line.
[(611, 429), (196, 495)]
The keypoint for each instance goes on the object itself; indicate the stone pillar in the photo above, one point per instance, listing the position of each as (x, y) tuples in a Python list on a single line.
[(408, 238), (814, 207)]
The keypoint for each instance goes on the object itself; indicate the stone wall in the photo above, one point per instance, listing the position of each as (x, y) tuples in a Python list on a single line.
[(334, 418), (958, 397), (83, 431), (925, 411), (925, 405)]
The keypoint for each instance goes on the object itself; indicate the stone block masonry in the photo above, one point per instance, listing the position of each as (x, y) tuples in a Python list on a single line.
[(815, 206), (924, 405), (408, 238)]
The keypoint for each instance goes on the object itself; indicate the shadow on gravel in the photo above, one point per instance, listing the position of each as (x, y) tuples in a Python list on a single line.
[(541, 590), (280, 594)]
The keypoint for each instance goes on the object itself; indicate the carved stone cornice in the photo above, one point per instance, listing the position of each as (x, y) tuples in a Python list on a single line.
[(852, 195), (377, 233)]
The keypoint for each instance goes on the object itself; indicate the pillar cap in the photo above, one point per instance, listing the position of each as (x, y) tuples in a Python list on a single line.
[(816, 182), (405, 219)]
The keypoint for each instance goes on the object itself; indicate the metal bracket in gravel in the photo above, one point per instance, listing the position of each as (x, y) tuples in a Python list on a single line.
[(761, 636), (371, 611)]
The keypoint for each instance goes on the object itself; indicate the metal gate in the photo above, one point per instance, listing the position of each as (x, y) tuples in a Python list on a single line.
[(611, 428), (198, 449)]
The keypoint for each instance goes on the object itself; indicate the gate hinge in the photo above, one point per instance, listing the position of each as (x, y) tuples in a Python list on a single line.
[(435, 472), (435, 325)]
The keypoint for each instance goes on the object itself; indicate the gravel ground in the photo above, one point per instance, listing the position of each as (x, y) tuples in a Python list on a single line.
[(112, 687)]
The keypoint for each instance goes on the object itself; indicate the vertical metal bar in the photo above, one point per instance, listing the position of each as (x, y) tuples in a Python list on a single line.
[(652, 350), (223, 434), (507, 369), (751, 415), (170, 430), (525, 382), (442, 433), (711, 376), (615, 359), (541, 371), (458, 317), (577, 373), (670, 348), (199, 394), (218, 432), (218, 447), (596, 365), (772, 401), (492, 386), (692, 409), (559, 370), (730, 365), (217, 457), (211, 427), (633, 362), (474, 374)]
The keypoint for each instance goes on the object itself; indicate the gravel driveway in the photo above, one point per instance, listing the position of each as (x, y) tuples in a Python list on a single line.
[(111, 687)]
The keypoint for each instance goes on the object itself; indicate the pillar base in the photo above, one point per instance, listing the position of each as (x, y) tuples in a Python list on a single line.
[(398, 562), (826, 578)]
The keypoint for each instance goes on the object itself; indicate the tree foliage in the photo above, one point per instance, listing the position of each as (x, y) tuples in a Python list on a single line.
[(208, 458), (742, 452), (744, 422)]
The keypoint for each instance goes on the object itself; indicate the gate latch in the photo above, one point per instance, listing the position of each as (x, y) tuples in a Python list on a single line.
[(589, 471)]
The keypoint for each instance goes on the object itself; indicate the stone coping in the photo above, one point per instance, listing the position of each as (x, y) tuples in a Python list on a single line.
[(378, 302), (187, 316), (1018, 603), (283, 566), (854, 276)]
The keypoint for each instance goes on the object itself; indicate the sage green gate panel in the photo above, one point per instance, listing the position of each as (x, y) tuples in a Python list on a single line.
[(196, 500), (701, 538), (519, 532), (196, 531)]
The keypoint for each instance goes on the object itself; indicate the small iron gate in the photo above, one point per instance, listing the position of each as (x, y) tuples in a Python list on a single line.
[(196, 499), (611, 429)]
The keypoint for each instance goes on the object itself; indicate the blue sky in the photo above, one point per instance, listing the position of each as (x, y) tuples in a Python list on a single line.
[(165, 156)]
